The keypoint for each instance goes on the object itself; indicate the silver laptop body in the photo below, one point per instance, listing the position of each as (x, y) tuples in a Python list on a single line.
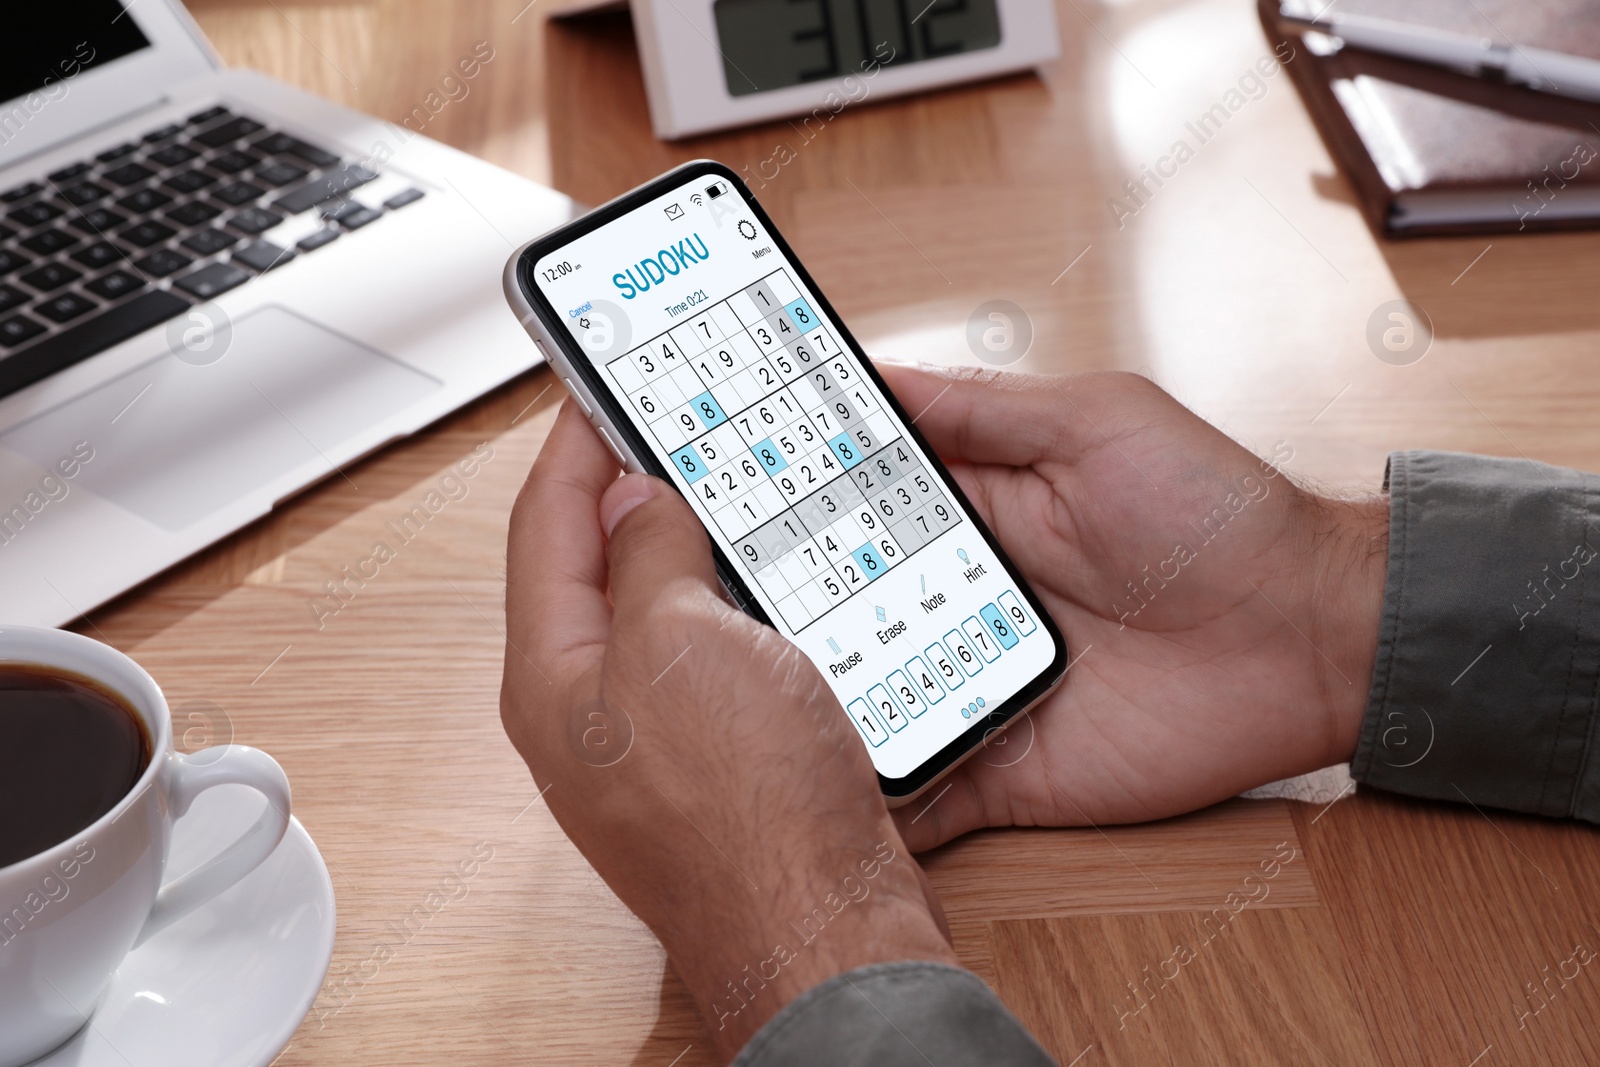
[(216, 290)]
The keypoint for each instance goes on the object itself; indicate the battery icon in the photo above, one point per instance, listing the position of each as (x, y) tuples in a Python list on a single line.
[(716, 189)]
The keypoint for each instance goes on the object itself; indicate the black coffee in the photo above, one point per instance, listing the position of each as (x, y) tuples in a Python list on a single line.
[(69, 750)]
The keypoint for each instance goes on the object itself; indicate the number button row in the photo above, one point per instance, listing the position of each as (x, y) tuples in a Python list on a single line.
[(943, 667)]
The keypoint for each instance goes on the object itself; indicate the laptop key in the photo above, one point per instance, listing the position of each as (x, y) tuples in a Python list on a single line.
[(100, 254), (227, 132), (314, 241), (404, 197), (357, 219), (163, 133), (162, 262), (280, 174), (84, 193), (21, 192), (262, 256), (97, 221), (200, 118), (189, 181), (209, 242), (65, 308), (14, 331), (66, 174), (238, 193), (49, 242), (332, 184), (11, 297), (10, 261), (232, 162), (209, 281), (128, 174), (144, 200), (254, 220), (172, 155), (148, 233), (333, 211), (193, 213), (93, 335), (51, 276), (117, 283), (111, 155), (282, 144), (7, 233), (35, 214)]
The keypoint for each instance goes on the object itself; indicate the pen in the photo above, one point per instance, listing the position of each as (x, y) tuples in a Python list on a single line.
[(1534, 68)]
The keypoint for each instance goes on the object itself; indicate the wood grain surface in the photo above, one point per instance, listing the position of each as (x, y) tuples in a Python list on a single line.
[(1401, 933)]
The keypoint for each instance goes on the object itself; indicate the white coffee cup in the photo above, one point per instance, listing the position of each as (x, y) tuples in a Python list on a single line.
[(69, 914)]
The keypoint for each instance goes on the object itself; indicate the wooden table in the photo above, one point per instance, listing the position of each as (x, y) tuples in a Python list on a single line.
[(1400, 933)]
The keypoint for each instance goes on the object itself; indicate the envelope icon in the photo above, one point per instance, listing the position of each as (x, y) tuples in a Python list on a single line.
[(674, 211)]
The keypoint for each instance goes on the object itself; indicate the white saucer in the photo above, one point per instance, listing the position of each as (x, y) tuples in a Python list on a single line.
[(227, 985)]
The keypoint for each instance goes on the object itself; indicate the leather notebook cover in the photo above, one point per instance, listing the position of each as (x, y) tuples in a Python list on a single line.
[(1431, 151)]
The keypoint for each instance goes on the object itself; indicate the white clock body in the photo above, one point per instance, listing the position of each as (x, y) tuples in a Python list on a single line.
[(871, 49)]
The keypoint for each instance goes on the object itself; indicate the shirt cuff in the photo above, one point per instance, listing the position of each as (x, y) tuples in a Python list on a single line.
[(895, 1015), (1488, 663)]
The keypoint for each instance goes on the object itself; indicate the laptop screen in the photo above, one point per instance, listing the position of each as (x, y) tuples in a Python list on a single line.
[(45, 45)]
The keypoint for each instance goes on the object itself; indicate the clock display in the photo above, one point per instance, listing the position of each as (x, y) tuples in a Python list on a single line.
[(770, 44)]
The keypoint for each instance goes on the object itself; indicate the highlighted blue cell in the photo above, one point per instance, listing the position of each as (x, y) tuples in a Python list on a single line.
[(870, 562), (998, 626), (690, 464), (705, 406), (769, 455), (846, 450), (801, 315)]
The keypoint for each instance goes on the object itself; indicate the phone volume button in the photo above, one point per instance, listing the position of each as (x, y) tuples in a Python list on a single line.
[(615, 451), (588, 412)]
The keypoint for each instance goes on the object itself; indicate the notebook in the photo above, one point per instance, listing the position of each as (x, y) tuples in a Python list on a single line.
[(1432, 152)]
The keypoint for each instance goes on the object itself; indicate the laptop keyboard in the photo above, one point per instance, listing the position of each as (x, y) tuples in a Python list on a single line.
[(108, 247)]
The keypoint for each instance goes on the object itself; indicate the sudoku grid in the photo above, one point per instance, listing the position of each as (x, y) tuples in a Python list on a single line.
[(786, 446)]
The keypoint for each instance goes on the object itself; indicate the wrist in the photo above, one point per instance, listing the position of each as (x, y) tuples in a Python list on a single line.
[(747, 958), (1350, 545)]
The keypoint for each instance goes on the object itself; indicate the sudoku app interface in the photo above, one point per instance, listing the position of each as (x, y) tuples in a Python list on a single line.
[(836, 520)]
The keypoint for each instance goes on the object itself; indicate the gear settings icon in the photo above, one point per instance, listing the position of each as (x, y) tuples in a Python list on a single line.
[(747, 229)]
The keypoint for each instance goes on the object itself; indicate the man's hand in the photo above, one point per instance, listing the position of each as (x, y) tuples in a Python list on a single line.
[(1223, 622), (694, 756)]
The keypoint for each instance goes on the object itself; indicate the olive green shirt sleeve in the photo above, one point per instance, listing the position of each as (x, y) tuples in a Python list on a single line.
[(1484, 689), (895, 1015)]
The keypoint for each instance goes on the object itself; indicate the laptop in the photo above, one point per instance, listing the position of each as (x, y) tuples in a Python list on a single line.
[(215, 291)]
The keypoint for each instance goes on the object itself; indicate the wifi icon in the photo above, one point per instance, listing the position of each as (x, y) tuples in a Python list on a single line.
[(696, 199)]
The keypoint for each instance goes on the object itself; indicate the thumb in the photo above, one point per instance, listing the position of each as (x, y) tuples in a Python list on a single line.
[(976, 415), (654, 539)]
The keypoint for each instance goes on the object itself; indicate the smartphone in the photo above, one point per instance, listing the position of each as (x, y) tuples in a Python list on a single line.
[(705, 355)]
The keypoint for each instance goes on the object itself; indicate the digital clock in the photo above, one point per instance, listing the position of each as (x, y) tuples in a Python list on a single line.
[(710, 64)]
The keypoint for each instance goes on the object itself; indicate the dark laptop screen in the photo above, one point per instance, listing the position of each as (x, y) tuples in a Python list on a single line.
[(45, 44)]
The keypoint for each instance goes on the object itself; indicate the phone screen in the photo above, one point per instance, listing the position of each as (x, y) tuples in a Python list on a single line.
[(839, 524)]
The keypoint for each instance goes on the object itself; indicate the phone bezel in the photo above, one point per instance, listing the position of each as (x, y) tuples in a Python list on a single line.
[(983, 727)]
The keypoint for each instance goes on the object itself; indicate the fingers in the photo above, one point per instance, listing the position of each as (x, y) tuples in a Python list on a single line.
[(655, 541), (556, 554), (983, 416)]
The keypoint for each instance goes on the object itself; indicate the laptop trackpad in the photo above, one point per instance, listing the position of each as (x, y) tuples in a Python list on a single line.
[(175, 441)]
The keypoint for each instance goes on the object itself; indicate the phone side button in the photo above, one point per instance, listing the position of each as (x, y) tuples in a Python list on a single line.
[(615, 451), (588, 412)]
